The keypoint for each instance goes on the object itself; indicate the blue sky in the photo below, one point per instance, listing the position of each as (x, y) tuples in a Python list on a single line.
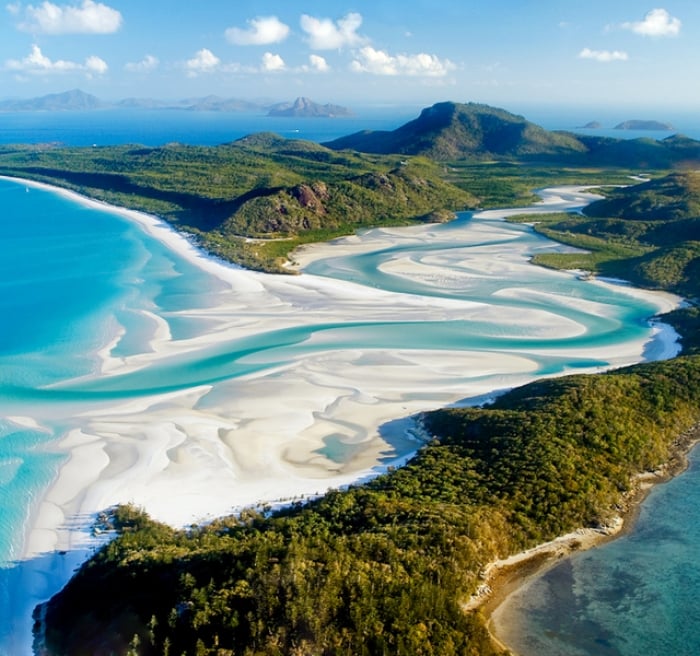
[(511, 53)]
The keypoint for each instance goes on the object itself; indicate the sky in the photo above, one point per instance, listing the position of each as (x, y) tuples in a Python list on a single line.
[(510, 53)]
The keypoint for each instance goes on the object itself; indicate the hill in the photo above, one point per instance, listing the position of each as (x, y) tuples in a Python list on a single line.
[(383, 568), (643, 125), (77, 100), (452, 131), (279, 192), (648, 234), (676, 196)]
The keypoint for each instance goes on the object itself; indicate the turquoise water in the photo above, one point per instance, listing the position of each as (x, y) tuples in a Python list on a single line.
[(636, 595), (71, 278), (74, 280)]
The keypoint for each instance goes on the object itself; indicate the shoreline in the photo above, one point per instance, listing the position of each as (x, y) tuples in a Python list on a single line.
[(504, 577), (197, 437)]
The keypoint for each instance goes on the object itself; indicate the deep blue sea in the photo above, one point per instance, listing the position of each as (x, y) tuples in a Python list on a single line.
[(158, 127), (74, 279)]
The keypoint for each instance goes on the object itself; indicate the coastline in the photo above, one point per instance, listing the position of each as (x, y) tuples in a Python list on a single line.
[(504, 577), (201, 438)]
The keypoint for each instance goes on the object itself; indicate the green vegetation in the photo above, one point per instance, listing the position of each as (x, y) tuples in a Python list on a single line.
[(451, 131), (648, 234), (509, 184), (254, 200), (282, 191)]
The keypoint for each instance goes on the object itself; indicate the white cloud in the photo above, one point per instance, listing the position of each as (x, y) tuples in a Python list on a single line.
[(204, 61), (271, 63), (148, 63), (603, 55), (378, 62), (324, 34), (89, 18), (14, 8), (261, 31), (36, 63), (657, 22), (96, 65), (319, 64)]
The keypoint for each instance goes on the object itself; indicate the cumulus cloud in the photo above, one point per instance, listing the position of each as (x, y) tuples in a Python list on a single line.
[(657, 22), (603, 56), (261, 31), (148, 63), (95, 64), (319, 64), (271, 63), (88, 18), (379, 62), (324, 34), (204, 61), (36, 63)]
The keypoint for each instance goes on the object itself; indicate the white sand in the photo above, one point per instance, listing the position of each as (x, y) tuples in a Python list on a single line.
[(196, 454)]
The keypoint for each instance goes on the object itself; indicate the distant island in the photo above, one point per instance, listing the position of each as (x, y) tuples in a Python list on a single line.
[(54, 102), (306, 108), (77, 100), (592, 125), (643, 125)]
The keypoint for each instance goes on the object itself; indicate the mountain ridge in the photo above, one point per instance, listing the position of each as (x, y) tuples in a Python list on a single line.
[(78, 100)]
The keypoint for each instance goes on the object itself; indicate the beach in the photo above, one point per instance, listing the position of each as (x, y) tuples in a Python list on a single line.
[(307, 415)]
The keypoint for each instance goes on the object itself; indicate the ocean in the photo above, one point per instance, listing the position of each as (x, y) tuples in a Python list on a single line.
[(77, 282), (158, 127)]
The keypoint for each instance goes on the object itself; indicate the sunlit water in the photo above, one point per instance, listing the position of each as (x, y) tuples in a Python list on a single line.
[(75, 281)]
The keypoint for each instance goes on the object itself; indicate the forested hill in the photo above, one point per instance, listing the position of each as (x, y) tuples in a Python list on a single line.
[(384, 568), (676, 196), (453, 131), (276, 191), (647, 233)]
